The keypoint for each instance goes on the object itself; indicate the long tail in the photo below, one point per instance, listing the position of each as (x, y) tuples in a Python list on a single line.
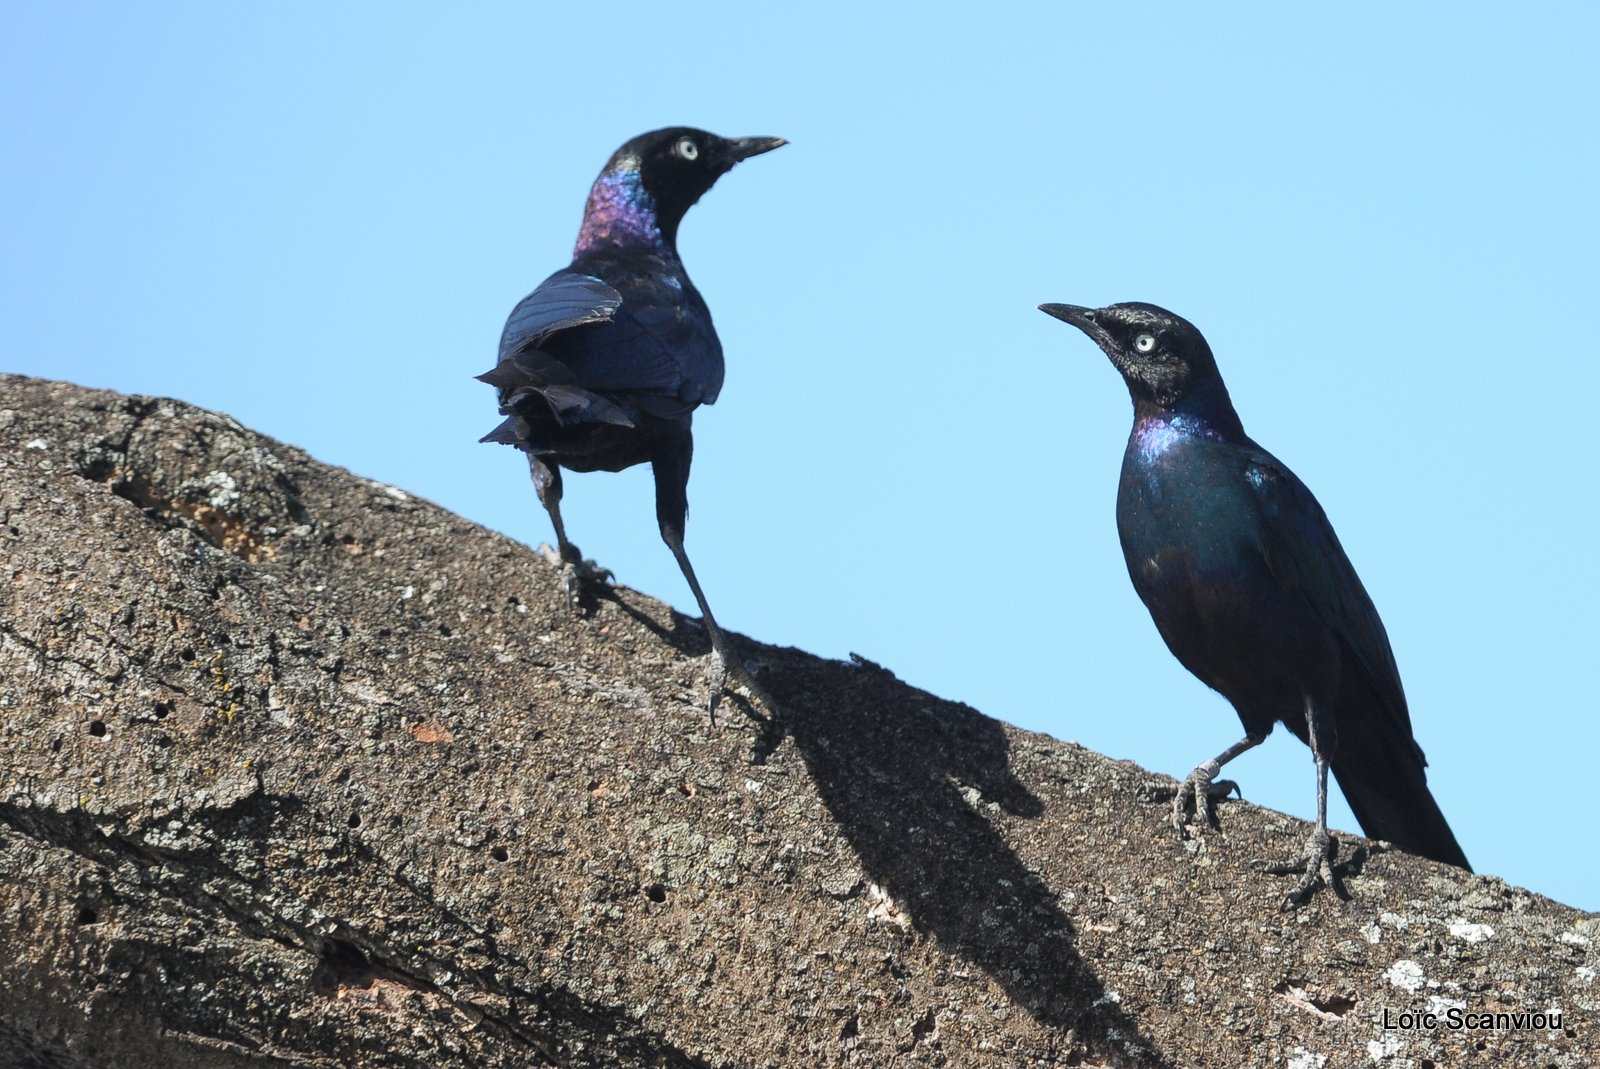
[(1390, 798)]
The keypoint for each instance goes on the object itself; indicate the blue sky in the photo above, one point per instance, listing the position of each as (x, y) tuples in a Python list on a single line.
[(1383, 217)]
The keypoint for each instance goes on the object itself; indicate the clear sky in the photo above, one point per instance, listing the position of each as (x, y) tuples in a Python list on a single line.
[(315, 217)]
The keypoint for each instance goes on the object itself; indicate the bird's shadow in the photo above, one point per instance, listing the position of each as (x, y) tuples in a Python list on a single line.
[(911, 779), (687, 635)]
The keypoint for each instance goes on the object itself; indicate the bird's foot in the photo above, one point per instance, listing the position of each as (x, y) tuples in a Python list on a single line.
[(1314, 867), (728, 672), (578, 575), (716, 679), (1199, 789)]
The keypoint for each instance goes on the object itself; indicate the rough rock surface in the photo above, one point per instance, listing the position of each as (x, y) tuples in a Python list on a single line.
[(299, 770)]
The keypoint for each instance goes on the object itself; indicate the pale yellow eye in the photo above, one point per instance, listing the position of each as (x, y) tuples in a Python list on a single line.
[(688, 149), (1145, 342)]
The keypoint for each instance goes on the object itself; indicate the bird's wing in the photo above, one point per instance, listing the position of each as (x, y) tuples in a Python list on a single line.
[(660, 341), (641, 338), (566, 299), (1304, 554)]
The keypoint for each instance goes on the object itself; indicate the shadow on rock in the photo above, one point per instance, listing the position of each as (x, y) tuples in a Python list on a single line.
[(912, 780)]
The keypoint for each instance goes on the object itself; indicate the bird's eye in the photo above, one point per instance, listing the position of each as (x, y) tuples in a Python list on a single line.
[(1145, 342), (687, 148)]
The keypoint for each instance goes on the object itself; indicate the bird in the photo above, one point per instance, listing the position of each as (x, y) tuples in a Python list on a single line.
[(1249, 587), (603, 365)]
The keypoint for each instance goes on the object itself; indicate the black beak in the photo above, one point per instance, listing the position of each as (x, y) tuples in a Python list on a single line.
[(1077, 315), (1085, 319), (742, 148)]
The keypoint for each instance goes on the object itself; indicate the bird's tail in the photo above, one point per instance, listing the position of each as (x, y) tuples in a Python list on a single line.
[(1392, 801), (538, 397)]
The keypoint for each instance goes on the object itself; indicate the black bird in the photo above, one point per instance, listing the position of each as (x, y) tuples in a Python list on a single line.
[(1252, 592), (603, 365)]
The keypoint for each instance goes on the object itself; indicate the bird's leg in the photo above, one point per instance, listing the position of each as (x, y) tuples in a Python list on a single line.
[(575, 571), (728, 662), (1203, 787), (1316, 864), (670, 465)]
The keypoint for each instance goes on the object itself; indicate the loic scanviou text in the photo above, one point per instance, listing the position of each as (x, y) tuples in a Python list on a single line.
[(1460, 1019)]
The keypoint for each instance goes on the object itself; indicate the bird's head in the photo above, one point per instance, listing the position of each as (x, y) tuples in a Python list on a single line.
[(1162, 357), (674, 167)]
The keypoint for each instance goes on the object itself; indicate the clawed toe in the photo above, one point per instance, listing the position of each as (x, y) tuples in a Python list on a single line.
[(727, 672), (584, 575), (1315, 867), (1198, 791), (578, 575), (716, 679)]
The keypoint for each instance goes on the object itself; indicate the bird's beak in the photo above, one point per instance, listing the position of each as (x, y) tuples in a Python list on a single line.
[(742, 148), (1085, 319), (1077, 315)]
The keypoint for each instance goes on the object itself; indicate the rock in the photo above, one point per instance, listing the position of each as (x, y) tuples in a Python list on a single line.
[(300, 770)]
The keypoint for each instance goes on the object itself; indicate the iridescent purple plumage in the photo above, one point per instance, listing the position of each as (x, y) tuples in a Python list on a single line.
[(602, 367), (1157, 434), (620, 213)]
